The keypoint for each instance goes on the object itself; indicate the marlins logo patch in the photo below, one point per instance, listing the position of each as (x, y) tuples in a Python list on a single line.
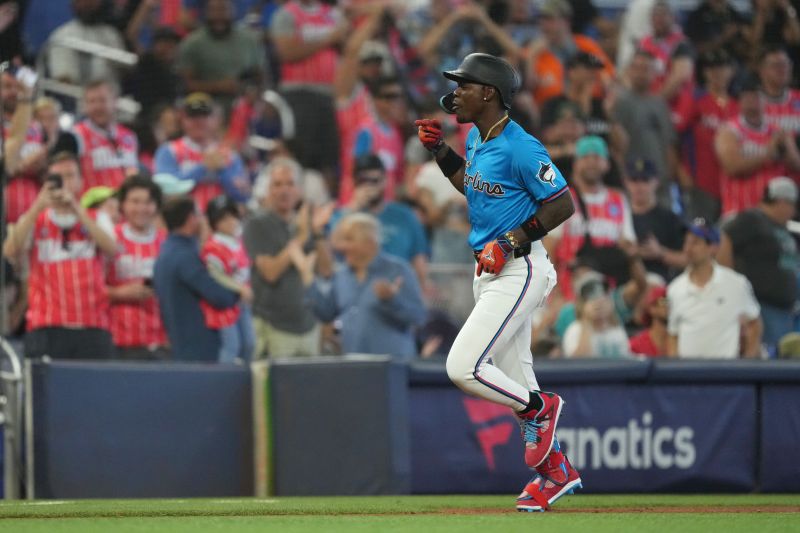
[(546, 174)]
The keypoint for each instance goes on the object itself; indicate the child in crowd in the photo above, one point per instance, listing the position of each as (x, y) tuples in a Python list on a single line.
[(227, 262), (597, 331)]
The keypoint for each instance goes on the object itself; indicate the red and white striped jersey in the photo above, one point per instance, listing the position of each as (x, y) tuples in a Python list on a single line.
[(312, 25), (387, 143), (22, 189), (662, 50), (66, 287), (610, 221), (349, 115), (702, 117), (743, 192), (106, 155), (227, 254), (784, 112), (188, 154), (135, 324)]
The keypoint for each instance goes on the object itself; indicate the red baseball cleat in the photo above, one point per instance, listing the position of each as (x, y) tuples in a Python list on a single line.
[(553, 479), (539, 429)]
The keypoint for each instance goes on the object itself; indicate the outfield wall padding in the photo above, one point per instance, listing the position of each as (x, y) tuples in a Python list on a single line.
[(340, 426), (117, 430), (368, 425)]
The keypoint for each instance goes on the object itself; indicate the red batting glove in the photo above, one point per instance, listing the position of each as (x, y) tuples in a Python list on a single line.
[(493, 257), (430, 134)]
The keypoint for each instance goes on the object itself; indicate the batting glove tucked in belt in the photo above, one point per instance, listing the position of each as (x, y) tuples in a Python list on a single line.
[(430, 134), (494, 256)]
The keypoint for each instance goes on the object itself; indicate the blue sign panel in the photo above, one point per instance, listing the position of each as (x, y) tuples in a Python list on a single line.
[(622, 438)]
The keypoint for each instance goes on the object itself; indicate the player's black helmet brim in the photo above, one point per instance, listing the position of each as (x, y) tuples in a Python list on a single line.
[(446, 103)]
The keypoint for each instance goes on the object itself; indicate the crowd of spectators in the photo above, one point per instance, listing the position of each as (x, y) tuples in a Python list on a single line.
[(224, 180)]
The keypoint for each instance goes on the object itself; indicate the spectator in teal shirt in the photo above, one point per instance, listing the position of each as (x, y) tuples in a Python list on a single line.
[(402, 233)]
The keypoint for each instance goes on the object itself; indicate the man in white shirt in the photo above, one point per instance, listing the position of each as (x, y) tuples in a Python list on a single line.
[(75, 67), (711, 307)]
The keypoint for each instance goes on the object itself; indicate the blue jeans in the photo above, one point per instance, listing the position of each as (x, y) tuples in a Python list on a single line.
[(777, 323), (238, 340)]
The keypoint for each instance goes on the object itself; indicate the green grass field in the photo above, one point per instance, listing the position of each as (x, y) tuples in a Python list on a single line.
[(420, 514)]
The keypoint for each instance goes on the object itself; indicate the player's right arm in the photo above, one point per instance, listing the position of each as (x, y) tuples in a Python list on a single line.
[(452, 165)]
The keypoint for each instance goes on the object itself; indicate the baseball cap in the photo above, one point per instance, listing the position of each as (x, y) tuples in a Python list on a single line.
[(704, 230), (641, 169), (750, 84), (96, 196), (165, 33), (198, 104), (368, 162), (591, 285), (220, 206), (584, 59), (789, 346), (555, 8), (172, 185), (591, 144), (715, 58), (567, 109), (781, 188), (371, 51)]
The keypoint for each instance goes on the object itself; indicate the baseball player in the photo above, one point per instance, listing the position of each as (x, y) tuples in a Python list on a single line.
[(515, 196)]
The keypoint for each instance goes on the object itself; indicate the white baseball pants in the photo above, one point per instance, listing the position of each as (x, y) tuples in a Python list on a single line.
[(491, 357)]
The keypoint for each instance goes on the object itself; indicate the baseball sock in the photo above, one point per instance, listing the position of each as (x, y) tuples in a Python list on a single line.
[(535, 403)]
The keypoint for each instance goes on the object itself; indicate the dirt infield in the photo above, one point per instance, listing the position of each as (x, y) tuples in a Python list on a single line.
[(698, 509)]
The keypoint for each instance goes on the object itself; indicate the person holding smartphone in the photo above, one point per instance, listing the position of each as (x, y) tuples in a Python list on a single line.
[(68, 310)]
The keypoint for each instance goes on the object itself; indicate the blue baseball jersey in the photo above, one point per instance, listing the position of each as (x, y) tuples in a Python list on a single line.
[(506, 181)]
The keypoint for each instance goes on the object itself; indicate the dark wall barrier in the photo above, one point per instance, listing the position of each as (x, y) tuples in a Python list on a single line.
[(147, 430), (340, 426), (780, 435)]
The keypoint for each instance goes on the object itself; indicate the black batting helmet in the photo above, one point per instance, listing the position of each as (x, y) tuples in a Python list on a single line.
[(484, 69)]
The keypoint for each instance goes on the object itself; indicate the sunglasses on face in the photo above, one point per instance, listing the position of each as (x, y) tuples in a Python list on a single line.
[(390, 96), (369, 180)]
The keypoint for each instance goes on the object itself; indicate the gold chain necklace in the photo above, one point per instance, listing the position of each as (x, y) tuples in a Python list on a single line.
[(505, 117)]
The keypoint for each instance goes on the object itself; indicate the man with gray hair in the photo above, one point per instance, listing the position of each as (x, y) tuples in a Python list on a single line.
[(374, 297), (757, 244), (278, 240)]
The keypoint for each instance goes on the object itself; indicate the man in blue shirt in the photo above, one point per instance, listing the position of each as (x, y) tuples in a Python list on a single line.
[(181, 280), (515, 196), (374, 297)]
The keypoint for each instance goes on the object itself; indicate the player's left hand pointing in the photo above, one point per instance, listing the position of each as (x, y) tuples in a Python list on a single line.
[(493, 257)]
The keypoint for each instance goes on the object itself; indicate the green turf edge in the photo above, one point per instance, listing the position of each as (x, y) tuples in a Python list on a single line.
[(363, 505), (489, 523)]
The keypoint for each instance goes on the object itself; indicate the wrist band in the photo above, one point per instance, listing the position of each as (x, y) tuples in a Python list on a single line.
[(533, 229), (450, 163), (509, 236), (438, 148)]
